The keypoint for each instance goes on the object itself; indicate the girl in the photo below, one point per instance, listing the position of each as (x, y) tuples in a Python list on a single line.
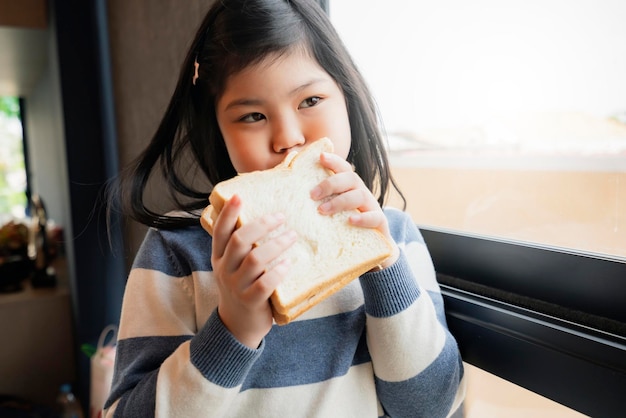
[(196, 338)]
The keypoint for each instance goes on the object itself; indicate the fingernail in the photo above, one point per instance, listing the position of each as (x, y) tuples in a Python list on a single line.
[(316, 192), (279, 217), (355, 219), (325, 207), (235, 200)]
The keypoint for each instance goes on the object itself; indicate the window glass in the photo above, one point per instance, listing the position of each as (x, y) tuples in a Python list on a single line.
[(505, 119), (13, 200)]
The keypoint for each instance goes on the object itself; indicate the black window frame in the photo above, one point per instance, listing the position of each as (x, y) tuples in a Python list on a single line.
[(549, 320)]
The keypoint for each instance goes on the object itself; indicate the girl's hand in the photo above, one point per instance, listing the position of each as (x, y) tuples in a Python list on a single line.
[(240, 268), (349, 192)]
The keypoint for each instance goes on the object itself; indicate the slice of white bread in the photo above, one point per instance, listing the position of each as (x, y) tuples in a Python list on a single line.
[(329, 252)]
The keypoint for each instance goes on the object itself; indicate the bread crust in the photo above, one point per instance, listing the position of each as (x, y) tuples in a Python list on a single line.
[(283, 315), (207, 218)]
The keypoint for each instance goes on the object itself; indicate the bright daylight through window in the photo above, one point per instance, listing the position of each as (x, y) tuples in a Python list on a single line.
[(505, 119), (13, 200)]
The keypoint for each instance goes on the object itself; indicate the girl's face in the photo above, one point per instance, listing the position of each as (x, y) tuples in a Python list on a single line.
[(279, 105)]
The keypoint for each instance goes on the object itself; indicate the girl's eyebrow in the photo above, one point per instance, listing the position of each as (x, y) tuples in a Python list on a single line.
[(243, 102), (258, 102), (306, 85)]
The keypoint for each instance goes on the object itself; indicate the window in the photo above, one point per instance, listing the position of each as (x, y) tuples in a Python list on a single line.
[(517, 108), (506, 124), (13, 184)]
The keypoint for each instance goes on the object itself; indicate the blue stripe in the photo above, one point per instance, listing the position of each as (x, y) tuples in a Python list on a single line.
[(140, 402), (390, 291), (219, 356), (130, 369), (436, 386), (175, 253), (303, 352), (294, 354)]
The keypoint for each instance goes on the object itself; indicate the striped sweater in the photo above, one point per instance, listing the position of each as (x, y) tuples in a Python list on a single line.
[(378, 347)]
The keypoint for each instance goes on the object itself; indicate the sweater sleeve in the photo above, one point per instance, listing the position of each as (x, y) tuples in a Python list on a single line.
[(167, 365), (417, 364)]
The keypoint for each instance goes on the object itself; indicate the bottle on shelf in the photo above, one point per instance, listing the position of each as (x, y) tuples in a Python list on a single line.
[(67, 404)]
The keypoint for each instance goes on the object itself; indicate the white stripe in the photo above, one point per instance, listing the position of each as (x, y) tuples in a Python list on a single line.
[(346, 300), (352, 395), (181, 305), (422, 265), (182, 391), (422, 339), (156, 304)]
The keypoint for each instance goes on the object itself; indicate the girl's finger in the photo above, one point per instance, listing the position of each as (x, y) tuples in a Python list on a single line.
[(334, 162), (262, 288), (225, 225), (372, 219), (257, 262), (343, 180), (254, 231), (337, 183), (360, 199), (242, 241)]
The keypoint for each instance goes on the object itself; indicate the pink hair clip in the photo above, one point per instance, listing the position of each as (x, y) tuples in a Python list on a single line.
[(195, 72)]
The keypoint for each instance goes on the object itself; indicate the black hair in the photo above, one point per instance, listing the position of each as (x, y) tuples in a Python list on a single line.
[(234, 35)]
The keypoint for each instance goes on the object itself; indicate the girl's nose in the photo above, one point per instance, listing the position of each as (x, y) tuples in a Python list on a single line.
[(286, 135)]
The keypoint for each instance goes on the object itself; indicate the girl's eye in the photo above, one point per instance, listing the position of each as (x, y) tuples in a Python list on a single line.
[(310, 102), (252, 117)]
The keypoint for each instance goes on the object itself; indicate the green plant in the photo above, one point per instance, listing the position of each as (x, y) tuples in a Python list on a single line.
[(10, 106), (13, 200)]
